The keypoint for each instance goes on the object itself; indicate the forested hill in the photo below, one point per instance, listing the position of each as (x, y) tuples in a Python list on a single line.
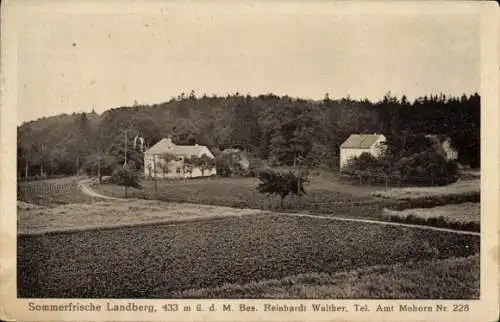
[(270, 127)]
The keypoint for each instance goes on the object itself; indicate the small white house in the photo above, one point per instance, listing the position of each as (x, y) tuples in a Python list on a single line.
[(357, 144), (443, 146), (156, 166)]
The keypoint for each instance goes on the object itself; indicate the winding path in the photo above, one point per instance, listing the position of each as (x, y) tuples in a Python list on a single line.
[(88, 191), (387, 223)]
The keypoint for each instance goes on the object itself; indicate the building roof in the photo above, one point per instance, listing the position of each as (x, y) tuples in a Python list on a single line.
[(361, 141), (167, 146), (235, 151), (231, 150)]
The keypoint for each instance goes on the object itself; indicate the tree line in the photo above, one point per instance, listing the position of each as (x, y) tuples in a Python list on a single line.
[(280, 130)]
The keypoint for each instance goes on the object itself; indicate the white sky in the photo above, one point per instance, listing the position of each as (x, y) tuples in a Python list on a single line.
[(161, 51)]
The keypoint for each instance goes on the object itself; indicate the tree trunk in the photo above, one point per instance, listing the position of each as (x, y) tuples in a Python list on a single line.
[(41, 170), (26, 174), (78, 165)]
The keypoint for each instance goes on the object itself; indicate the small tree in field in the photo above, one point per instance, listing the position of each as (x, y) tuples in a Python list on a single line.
[(281, 184), (126, 177), (188, 166), (166, 158), (206, 163), (195, 161), (164, 168), (223, 166)]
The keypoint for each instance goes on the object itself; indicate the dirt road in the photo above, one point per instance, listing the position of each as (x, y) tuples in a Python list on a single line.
[(87, 190)]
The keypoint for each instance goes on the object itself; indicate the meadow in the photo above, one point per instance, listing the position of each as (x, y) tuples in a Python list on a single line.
[(397, 281), (326, 194), (457, 189), (322, 195), (160, 261), (105, 214)]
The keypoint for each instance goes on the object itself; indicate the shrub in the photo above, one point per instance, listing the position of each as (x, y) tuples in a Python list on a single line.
[(423, 168), (108, 164), (223, 168), (125, 177), (251, 173), (226, 167), (426, 168), (359, 165)]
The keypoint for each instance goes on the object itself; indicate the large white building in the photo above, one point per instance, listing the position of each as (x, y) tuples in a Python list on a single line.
[(155, 164), (356, 144)]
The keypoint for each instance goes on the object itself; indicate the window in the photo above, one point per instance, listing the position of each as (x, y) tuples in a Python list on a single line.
[(178, 170)]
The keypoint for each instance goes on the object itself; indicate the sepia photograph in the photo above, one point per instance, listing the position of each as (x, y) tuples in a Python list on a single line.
[(263, 151)]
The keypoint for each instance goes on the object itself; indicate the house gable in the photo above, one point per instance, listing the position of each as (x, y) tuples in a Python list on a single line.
[(362, 141), (186, 151), (163, 146)]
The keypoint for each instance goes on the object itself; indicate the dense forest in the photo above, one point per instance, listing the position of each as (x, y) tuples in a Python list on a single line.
[(279, 130)]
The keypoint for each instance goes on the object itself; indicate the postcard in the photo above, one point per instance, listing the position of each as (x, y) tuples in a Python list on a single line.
[(249, 161)]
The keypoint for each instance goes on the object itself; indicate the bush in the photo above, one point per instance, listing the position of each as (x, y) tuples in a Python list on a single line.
[(226, 167), (223, 169), (428, 168), (108, 164), (251, 173), (360, 165), (125, 177), (423, 168)]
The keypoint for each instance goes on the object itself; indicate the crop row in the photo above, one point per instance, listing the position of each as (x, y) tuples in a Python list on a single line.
[(47, 194), (171, 258)]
